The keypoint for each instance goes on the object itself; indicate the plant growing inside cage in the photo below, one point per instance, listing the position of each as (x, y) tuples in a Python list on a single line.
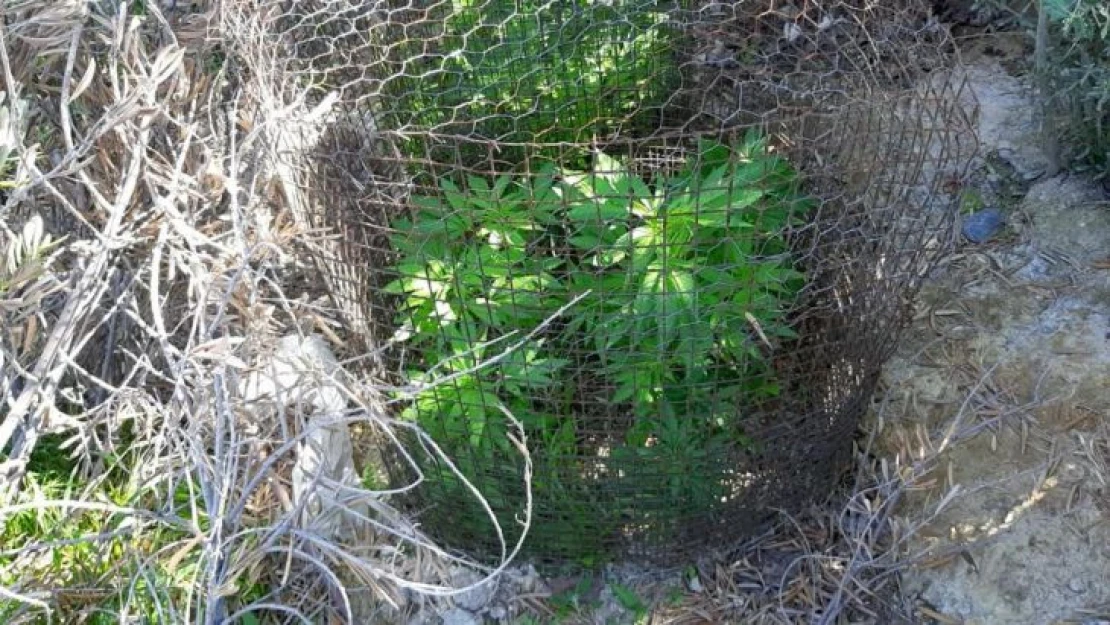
[(680, 288), (533, 72)]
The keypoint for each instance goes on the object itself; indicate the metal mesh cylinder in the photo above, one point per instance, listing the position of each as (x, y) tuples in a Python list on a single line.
[(674, 241)]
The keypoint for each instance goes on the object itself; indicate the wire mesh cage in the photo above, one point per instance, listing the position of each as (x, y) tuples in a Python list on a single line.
[(672, 242)]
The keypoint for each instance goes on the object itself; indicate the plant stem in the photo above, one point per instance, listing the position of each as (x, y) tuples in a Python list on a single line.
[(1050, 144)]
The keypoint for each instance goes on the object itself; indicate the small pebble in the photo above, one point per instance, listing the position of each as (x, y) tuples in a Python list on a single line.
[(695, 584), (1031, 174), (1077, 586), (981, 226), (477, 597)]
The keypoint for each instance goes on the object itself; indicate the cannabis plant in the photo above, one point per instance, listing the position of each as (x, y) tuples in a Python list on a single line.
[(532, 72), (680, 287)]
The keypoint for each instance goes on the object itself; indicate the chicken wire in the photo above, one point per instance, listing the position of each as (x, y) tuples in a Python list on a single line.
[(711, 223)]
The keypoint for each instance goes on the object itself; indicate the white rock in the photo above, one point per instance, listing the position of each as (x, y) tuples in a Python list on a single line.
[(694, 584), (476, 598), (303, 374), (791, 31), (525, 579), (301, 371), (458, 616)]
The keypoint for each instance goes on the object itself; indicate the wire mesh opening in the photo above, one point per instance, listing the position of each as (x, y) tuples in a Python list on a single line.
[(675, 241)]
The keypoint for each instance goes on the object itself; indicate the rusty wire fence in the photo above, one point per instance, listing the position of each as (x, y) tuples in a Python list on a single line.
[(675, 241)]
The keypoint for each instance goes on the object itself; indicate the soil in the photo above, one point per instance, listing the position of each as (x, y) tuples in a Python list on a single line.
[(1013, 337)]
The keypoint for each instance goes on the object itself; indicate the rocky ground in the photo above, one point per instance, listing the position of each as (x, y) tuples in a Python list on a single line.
[(1013, 335)]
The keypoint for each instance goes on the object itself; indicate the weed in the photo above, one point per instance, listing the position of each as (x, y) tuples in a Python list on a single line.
[(572, 600), (523, 72), (1077, 76), (139, 8), (674, 597), (99, 562), (1084, 78), (971, 202), (679, 282), (629, 600), (214, 61), (372, 479)]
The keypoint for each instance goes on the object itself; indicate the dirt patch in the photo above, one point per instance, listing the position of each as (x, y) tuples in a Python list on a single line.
[(1014, 337)]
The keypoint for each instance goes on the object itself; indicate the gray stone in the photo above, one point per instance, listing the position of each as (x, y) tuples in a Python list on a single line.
[(694, 584), (458, 616), (1068, 215), (1028, 171), (981, 226), (1077, 586), (525, 579), (478, 597)]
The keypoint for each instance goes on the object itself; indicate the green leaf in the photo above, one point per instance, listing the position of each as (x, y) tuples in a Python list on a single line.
[(679, 305), (624, 392), (588, 242), (672, 275), (611, 332), (650, 286), (1058, 10), (628, 599), (533, 373), (598, 211), (478, 184), (480, 409), (500, 185), (607, 166), (645, 249), (711, 154), (638, 189), (426, 203)]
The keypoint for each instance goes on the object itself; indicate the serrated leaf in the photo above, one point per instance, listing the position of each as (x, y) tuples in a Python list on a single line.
[(456, 199), (395, 287), (598, 211), (605, 165), (427, 203), (623, 393), (500, 185), (477, 184)]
